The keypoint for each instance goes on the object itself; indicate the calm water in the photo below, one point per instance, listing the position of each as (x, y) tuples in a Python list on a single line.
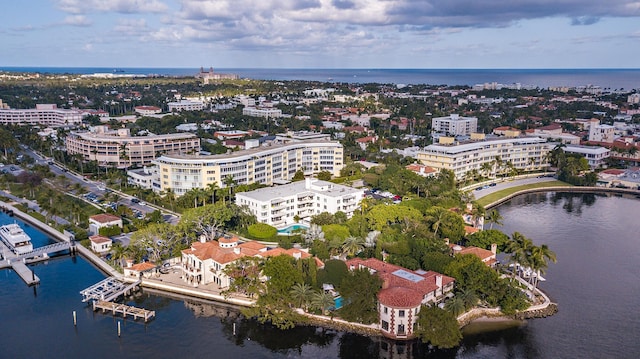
[(595, 283), (612, 78)]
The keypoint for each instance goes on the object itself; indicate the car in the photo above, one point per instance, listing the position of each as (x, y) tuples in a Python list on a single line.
[(479, 188), (135, 200), (492, 185)]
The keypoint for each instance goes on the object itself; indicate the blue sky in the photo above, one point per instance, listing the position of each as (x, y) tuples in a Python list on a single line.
[(321, 33)]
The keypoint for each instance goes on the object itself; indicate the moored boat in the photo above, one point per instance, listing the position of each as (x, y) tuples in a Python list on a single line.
[(15, 238)]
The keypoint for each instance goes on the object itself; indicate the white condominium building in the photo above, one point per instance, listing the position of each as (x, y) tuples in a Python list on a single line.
[(267, 112), (489, 156), (186, 105), (118, 148), (278, 206), (47, 115), (454, 125), (266, 165)]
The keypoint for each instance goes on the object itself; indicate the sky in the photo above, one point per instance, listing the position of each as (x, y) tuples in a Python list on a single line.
[(321, 33)]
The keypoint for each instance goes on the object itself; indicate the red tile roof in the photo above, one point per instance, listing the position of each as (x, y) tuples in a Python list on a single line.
[(99, 239), (141, 267), (105, 218), (407, 291)]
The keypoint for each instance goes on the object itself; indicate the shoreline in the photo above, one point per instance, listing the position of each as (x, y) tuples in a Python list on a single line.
[(476, 315)]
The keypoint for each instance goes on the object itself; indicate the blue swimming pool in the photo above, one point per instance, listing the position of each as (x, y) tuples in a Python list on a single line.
[(289, 229), (337, 301)]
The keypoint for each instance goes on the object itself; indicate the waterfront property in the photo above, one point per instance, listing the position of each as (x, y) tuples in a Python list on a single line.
[(266, 165), (46, 115), (286, 204), (204, 262), (595, 155), (100, 244), (487, 257), (487, 155), (403, 292), (117, 148)]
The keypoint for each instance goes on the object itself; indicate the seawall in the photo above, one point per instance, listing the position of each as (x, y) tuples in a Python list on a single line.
[(572, 189)]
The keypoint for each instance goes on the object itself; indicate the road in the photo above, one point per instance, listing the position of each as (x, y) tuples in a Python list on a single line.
[(95, 187), (508, 184)]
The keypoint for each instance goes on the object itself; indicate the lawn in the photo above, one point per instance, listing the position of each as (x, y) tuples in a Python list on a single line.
[(490, 198)]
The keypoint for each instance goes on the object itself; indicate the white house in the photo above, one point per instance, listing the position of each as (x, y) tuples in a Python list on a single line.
[(103, 220), (454, 125), (100, 244), (282, 205), (596, 155)]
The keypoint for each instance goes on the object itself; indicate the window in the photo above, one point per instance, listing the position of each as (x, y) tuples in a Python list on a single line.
[(400, 328), (401, 313), (385, 325), (385, 310)]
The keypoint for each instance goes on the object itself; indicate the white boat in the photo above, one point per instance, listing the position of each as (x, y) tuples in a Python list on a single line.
[(15, 238)]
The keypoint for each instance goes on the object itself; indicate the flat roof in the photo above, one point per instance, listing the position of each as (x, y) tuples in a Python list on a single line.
[(296, 188)]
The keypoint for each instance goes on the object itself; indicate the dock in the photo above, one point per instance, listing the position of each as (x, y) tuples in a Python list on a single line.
[(125, 310), (108, 290), (18, 262)]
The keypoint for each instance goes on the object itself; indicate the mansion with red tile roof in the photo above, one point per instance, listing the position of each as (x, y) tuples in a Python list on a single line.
[(403, 292), (204, 262)]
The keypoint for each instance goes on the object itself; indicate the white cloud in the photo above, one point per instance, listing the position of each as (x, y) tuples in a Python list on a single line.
[(119, 6), (77, 20)]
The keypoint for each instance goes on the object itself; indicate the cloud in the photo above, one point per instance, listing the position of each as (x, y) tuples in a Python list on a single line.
[(297, 26), (77, 20), (118, 6)]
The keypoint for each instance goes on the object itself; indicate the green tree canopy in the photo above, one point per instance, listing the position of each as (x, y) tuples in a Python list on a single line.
[(359, 290), (438, 327)]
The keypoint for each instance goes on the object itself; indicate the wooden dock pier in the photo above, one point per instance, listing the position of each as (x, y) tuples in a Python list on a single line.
[(108, 289), (125, 310)]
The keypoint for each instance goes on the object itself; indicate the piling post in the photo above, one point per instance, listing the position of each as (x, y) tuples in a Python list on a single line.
[(234, 328), (75, 323), (118, 328)]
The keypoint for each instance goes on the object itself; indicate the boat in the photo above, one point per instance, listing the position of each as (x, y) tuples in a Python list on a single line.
[(15, 238)]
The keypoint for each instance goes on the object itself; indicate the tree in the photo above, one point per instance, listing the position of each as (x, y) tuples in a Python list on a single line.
[(324, 175), (519, 249), (212, 188), (206, 220), (322, 301), (438, 327), (352, 246), (359, 290), (382, 215), (246, 278), (282, 276), (540, 256), (301, 293), (494, 217), (455, 305), (157, 239), (298, 176)]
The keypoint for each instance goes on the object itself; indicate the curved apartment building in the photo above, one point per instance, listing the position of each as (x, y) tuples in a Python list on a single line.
[(119, 149), (266, 165)]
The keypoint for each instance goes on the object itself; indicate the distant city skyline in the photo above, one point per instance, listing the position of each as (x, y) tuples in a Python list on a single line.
[(321, 33)]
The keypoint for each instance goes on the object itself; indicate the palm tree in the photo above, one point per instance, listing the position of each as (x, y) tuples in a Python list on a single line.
[(352, 246), (436, 215), (455, 305), (519, 249), (469, 298), (322, 300), (229, 182), (212, 188), (494, 217), (540, 257), (302, 294)]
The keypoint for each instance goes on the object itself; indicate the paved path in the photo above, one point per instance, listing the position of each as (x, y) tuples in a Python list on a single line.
[(508, 184)]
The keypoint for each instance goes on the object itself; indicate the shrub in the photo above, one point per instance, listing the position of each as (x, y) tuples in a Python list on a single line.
[(262, 231)]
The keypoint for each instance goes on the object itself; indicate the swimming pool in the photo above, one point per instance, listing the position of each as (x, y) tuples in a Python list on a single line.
[(287, 231)]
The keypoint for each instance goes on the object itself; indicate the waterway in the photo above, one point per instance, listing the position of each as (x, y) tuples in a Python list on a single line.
[(595, 283)]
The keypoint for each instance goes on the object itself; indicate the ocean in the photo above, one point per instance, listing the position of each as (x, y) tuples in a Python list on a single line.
[(613, 79)]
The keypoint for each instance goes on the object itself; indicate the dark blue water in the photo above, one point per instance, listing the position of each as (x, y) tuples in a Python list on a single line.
[(543, 78), (595, 283)]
